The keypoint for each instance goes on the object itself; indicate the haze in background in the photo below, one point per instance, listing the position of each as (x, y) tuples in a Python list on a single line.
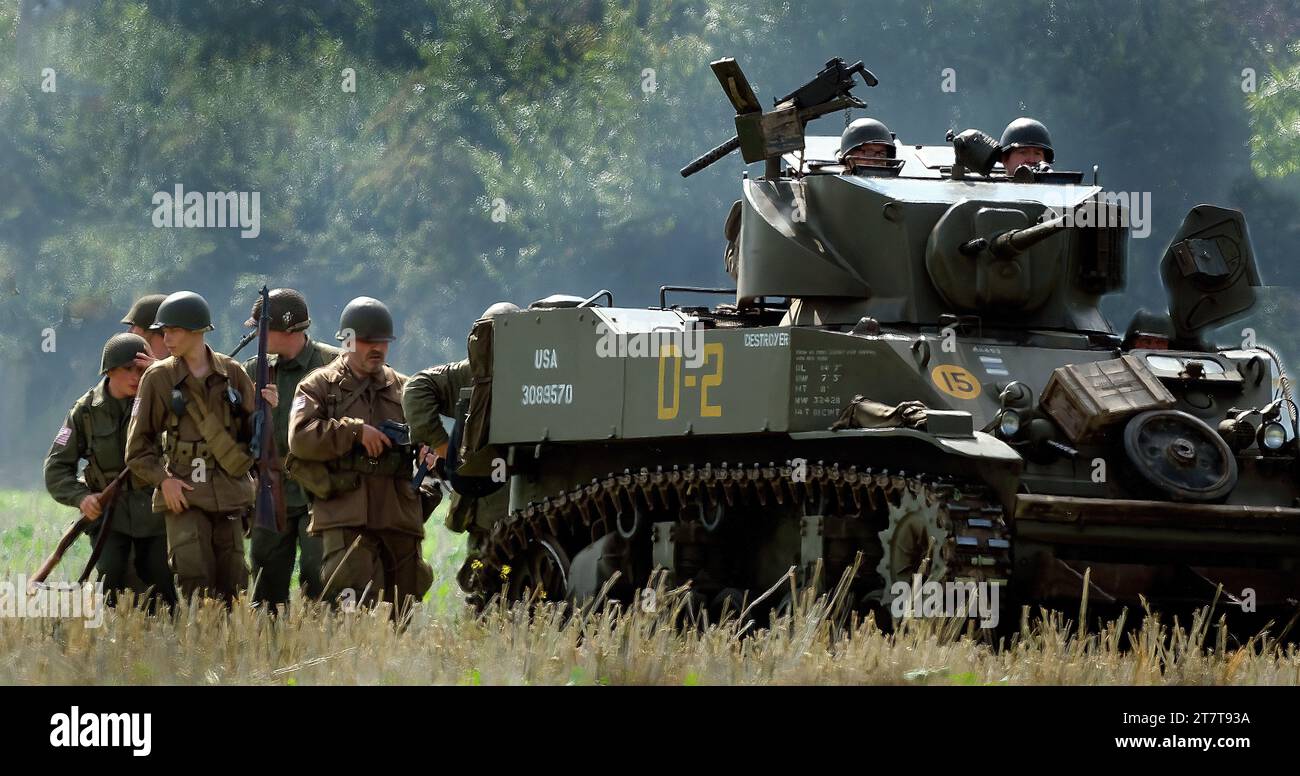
[(497, 150)]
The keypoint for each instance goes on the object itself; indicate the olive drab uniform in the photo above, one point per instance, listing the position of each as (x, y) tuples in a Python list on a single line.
[(202, 428), (272, 552), (358, 499), (430, 395), (96, 431)]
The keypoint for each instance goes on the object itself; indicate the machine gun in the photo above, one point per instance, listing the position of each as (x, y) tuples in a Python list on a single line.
[(269, 509), (765, 136)]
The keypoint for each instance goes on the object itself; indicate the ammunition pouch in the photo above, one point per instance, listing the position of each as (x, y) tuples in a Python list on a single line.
[(316, 478), (96, 478), (391, 463), (182, 454), (343, 475)]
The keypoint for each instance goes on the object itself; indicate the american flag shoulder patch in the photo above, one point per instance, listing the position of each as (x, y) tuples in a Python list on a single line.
[(298, 403), (135, 407), (61, 438)]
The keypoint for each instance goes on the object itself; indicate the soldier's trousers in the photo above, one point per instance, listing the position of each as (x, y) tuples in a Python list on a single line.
[(206, 552), (383, 562), (272, 554), (138, 564)]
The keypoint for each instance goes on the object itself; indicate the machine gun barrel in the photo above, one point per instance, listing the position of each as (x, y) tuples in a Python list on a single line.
[(711, 156), (805, 115)]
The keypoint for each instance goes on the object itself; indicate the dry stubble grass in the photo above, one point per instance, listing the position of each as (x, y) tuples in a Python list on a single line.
[(549, 644)]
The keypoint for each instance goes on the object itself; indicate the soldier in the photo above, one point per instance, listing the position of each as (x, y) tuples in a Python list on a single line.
[(370, 519), (293, 356), (866, 143), (430, 395), (1025, 142), (139, 319), (200, 467), (96, 431)]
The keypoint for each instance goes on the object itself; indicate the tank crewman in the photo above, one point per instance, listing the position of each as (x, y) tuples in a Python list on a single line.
[(96, 431), (293, 356), (430, 395), (188, 438), (370, 520), (138, 320), (866, 143), (1026, 142)]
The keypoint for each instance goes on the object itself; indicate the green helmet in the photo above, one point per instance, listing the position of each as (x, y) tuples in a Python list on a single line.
[(499, 309), (143, 312), (121, 350), (368, 319), (288, 311), (184, 310), (1027, 133), (866, 131)]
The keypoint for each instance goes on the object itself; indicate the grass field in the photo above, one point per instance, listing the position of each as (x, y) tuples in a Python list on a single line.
[(442, 643)]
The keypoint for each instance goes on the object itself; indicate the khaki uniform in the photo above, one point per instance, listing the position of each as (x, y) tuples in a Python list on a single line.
[(95, 430), (205, 543), (273, 552), (367, 498)]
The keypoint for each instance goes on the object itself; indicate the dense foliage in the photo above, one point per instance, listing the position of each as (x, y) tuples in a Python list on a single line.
[(502, 149)]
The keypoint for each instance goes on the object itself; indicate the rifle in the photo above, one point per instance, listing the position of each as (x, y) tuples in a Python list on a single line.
[(269, 509), (247, 338), (79, 526)]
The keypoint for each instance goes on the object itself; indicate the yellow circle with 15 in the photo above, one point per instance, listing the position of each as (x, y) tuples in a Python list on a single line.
[(956, 381)]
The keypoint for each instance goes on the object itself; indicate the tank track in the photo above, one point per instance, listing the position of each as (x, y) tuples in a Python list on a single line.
[(976, 545)]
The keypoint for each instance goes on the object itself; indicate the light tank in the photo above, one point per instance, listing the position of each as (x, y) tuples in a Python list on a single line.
[(913, 377)]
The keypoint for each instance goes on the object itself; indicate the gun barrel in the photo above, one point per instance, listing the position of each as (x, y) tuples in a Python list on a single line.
[(240, 345), (710, 157), (1018, 241)]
